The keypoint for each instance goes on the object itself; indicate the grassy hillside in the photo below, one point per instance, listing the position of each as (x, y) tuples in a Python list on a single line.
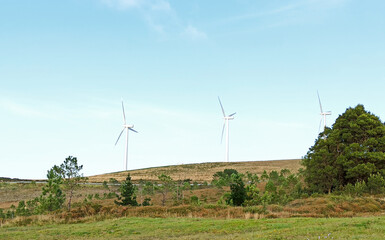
[(200, 172), (196, 228), (13, 193)]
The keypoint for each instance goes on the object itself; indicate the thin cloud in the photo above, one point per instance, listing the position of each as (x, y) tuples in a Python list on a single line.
[(157, 27), (193, 33), (123, 4), (159, 16)]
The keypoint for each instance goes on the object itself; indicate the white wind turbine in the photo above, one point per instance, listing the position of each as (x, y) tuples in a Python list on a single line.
[(126, 127), (323, 114), (226, 124)]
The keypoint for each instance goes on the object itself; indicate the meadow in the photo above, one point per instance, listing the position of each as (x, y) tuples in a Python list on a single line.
[(201, 228)]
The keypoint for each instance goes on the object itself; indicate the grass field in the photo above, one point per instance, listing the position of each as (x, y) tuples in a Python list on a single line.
[(196, 228), (200, 172)]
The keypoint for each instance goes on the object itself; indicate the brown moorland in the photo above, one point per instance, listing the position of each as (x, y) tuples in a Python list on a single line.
[(200, 172), (11, 194)]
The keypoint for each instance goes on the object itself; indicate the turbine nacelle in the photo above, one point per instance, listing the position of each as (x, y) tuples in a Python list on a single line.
[(229, 118), (128, 126), (326, 113)]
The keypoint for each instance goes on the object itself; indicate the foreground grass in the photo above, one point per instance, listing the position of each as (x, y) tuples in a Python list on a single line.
[(192, 228)]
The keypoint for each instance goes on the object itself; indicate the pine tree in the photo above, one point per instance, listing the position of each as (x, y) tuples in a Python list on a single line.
[(127, 193), (70, 172), (238, 191), (350, 151), (52, 197)]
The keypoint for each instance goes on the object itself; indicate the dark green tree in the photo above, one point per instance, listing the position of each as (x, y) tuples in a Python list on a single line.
[(350, 151), (238, 191), (52, 197), (127, 193)]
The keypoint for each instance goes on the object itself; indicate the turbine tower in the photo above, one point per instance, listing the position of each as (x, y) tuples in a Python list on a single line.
[(226, 124), (323, 114), (127, 128)]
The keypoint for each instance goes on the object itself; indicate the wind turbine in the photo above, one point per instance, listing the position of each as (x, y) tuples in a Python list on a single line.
[(323, 114), (226, 124), (127, 128)]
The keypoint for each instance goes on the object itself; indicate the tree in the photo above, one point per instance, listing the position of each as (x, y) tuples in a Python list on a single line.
[(179, 187), (52, 197), (252, 178), (376, 184), (238, 191), (221, 179), (70, 172), (166, 185), (127, 193), (350, 151), (264, 176)]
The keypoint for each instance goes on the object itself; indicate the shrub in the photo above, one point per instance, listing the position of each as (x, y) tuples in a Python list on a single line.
[(194, 200), (376, 184), (146, 202)]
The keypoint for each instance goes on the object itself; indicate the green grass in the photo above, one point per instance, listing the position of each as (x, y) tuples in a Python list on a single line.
[(193, 228)]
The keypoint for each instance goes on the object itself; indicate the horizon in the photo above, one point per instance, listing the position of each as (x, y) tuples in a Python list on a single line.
[(66, 66)]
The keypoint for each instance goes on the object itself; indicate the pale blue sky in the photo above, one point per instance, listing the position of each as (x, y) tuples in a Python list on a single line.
[(64, 66)]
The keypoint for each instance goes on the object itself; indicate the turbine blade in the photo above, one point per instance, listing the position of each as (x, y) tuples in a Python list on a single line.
[(232, 114), (223, 111), (133, 130), (223, 130), (119, 136), (319, 128), (319, 100), (124, 114)]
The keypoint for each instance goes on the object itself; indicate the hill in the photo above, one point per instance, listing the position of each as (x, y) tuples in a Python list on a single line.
[(200, 172)]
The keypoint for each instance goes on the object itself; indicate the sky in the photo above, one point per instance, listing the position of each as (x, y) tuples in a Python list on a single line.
[(66, 65)]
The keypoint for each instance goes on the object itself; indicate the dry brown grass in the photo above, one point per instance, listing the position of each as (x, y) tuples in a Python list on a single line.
[(12, 193), (200, 172), (312, 207)]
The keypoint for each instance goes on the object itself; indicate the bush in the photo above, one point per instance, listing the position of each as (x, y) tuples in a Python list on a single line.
[(194, 200), (146, 202), (376, 184)]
